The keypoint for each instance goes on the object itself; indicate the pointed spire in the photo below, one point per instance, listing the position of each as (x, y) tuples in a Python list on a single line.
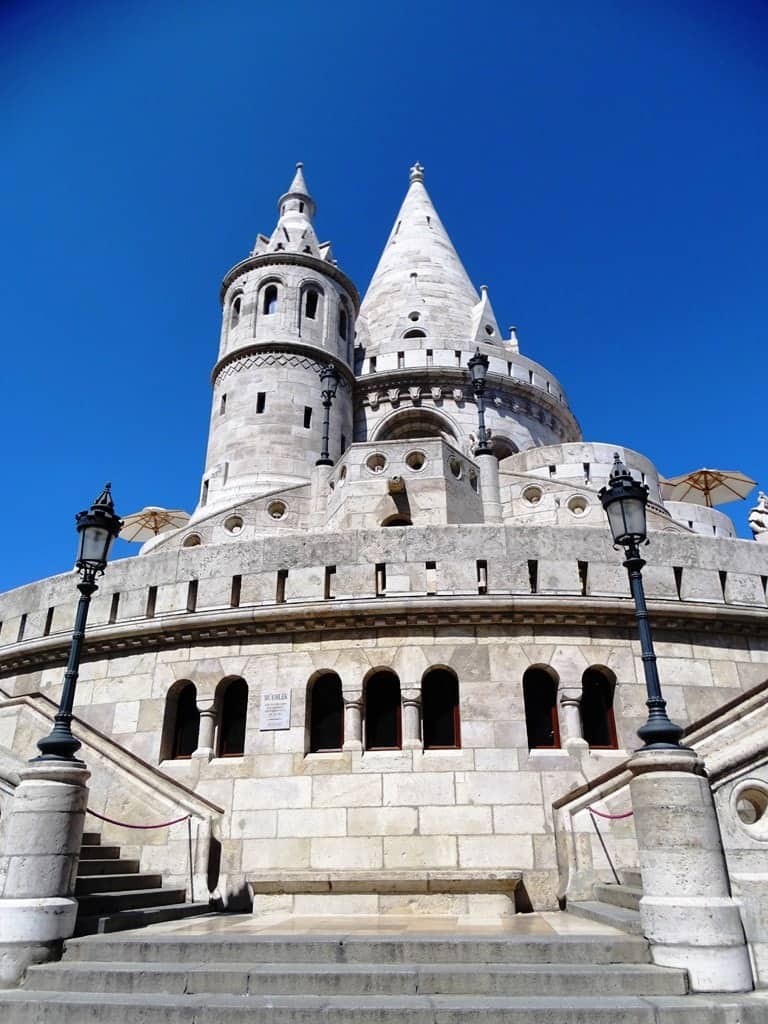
[(420, 283), (294, 231), (484, 325), (298, 185)]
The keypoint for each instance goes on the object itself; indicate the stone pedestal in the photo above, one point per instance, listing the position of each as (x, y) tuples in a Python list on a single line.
[(489, 487), (38, 865), (687, 911)]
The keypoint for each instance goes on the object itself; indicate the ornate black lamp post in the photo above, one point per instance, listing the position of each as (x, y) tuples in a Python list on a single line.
[(624, 500), (329, 379), (478, 367), (97, 527)]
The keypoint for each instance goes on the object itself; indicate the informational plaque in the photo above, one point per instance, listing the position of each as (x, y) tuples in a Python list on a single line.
[(275, 710)]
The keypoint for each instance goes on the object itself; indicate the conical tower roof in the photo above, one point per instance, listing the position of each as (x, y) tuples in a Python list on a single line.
[(420, 283), (294, 231)]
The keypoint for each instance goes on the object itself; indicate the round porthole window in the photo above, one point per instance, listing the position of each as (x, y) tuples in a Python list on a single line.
[(192, 540), (455, 467), (414, 316), (276, 509), (415, 461), (233, 525), (532, 495), (750, 804), (577, 505), (376, 463)]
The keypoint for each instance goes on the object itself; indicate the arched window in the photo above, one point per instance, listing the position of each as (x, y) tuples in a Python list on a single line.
[(343, 323), (325, 710), (269, 302), (397, 520), (540, 698), (232, 700), (181, 725), (383, 725), (412, 423), (440, 710), (311, 304), (234, 316), (598, 726), (414, 334)]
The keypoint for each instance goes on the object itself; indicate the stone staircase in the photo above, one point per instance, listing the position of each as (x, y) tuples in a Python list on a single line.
[(614, 904), (112, 894), (210, 974)]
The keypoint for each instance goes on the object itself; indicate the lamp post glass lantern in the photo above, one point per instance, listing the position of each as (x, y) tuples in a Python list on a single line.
[(329, 379), (97, 528), (478, 368), (624, 501)]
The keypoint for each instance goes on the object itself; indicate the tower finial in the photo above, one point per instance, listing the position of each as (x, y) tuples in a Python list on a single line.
[(417, 172)]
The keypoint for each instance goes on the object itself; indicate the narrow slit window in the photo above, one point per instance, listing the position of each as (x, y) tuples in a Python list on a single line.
[(723, 581), (151, 602), (440, 710), (381, 579), (307, 417), (223, 405), (586, 466), (22, 628), (326, 714), (430, 357), (343, 323), (530, 376), (330, 581), (401, 360), (204, 493), (431, 573), (457, 357), (482, 576), (533, 575), (583, 573), (192, 596), (540, 700), (343, 444), (310, 304), (269, 303), (282, 579), (237, 305), (372, 364), (232, 721), (114, 608), (261, 401), (234, 594), (49, 622), (678, 571)]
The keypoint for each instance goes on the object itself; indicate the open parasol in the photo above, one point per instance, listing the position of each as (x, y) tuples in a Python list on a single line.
[(707, 487), (152, 520)]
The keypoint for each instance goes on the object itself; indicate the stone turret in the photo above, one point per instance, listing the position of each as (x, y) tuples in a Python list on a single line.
[(420, 322), (287, 312)]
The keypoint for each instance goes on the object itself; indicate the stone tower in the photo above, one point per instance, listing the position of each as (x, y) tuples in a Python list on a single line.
[(287, 311)]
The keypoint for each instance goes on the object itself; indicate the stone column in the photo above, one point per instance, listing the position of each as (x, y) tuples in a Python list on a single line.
[(570, 719), (43, 832), (488, 465), (687, 911), (353, 721), (319, 490), (206, 736), (411, 699)]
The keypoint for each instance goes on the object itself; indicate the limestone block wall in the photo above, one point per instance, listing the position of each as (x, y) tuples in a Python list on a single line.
[(487, 804), (710, 522)]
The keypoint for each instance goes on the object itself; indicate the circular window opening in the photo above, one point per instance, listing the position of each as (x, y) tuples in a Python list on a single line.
[(234, 525), (532, 495), (751, 805), (489, 330), (473, 481), (276, 509), (414, 316), (455, 467), (192, 541), (416, 461), (577, 505), (376, 463)]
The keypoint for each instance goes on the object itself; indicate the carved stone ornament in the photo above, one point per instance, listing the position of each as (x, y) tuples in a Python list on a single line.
[(437, 394), (373, 399), (758, 519), (414, 394), (458, 395), (497, 401), (393, 394)]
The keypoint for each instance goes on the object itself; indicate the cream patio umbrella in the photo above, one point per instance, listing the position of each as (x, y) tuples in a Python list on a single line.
[(152, 520), (707, 487)]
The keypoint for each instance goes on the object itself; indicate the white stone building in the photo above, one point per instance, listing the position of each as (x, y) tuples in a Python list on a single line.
[(395, 679)]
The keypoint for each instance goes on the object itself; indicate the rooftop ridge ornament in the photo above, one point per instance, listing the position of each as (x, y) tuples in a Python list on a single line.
[(417, 172)]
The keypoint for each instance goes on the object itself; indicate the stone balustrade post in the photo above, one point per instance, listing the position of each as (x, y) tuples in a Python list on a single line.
[(570, 719), (490, 493), (43, 832), (353, 721), (411, 701), (687, 911)]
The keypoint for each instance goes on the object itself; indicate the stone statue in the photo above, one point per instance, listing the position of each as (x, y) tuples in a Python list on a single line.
[(758, 519)]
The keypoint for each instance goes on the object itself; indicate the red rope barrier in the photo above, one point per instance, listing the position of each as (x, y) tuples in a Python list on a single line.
[(124, 824), (613, 817)]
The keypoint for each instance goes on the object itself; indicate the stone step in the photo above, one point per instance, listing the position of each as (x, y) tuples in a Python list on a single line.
[(91, 838), (115, 883), (361, 949), (128, 899), (123, 920), (120, 866), (33, 1007), (99, 852), (360, 979), (627, 896), (633, 878), (617, 917)]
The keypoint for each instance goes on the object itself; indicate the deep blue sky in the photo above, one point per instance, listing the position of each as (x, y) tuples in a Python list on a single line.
[(602, 166)]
